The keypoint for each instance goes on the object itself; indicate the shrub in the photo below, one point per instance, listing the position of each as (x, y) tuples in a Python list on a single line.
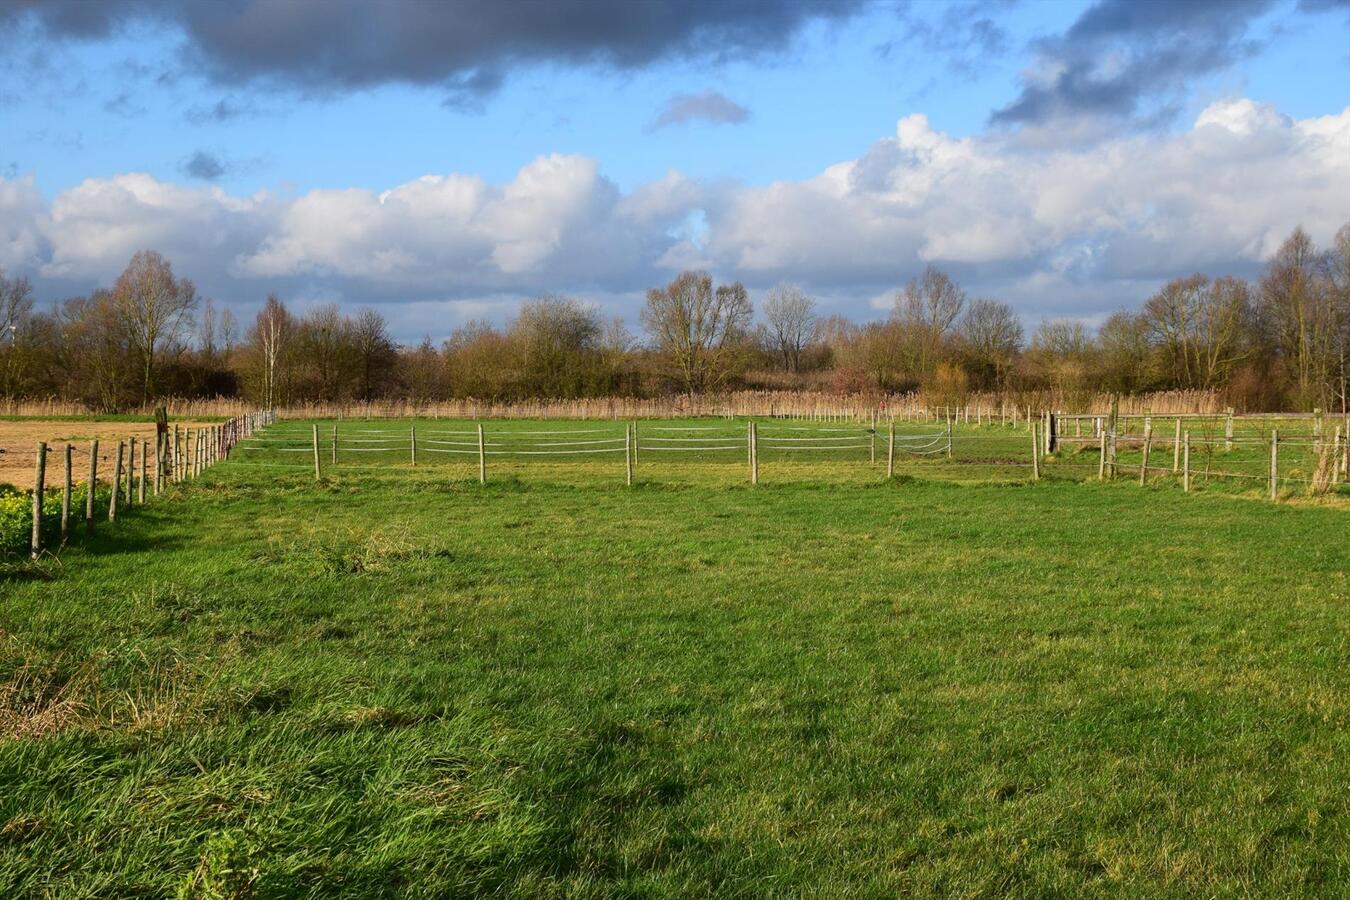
[(16, 518)]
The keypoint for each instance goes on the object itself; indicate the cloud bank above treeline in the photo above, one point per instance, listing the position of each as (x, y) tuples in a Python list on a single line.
[(1063, 230)]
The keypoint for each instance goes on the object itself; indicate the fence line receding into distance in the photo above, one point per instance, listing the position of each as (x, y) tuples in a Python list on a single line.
[(140, 469)]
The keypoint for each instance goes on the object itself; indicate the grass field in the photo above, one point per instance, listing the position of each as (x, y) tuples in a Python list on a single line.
[(398, 680)]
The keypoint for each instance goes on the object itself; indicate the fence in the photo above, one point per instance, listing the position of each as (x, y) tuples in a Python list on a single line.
[(948, 448), (1281, 450), (179, 455), (1202, 449), (362, 446)]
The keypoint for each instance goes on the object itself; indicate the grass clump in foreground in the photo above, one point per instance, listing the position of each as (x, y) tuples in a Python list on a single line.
[(403, 683)]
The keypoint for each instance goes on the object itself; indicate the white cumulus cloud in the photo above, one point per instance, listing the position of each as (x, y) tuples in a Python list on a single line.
[(1074, 228)]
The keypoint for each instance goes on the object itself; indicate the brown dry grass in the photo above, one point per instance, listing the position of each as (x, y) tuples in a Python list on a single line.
[(19, 439), (41, 696)]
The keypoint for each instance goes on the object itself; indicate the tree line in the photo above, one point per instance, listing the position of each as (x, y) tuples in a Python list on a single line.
[(1273, 343)]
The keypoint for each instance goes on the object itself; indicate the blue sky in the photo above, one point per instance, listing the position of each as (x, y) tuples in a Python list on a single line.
[(263, 172)]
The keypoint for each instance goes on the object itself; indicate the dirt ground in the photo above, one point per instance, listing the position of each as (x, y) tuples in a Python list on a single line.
[(18, 446)]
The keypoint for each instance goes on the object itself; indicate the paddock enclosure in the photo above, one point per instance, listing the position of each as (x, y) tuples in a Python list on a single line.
[(1278, 455), (945, 654)]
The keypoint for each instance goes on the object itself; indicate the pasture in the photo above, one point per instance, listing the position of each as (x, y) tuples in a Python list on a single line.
[(959, 682)]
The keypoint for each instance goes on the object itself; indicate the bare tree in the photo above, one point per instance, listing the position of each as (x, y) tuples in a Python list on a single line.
[(206, 329), (16, 305), (96, 349), (933, 301), (993, 337), (791, 317), (1338, 272), (326, 348), (928, 307), (16, 302), (1064, 350), (376, 353), (155, 307), (423, 371), (698, 328), (1200, 327), (1127, 352), (228, 333), (558, 341), (271, 339), (1300, 309)]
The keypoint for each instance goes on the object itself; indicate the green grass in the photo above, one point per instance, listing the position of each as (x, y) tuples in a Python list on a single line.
[(405, 682)]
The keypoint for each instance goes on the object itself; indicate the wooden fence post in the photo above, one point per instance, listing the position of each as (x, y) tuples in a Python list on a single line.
[(482, 456), (949, 438), (131, 467), (635, 442), (1148, 447), (126, 478), (1186, 463), (890, 452), (1036, 451), (93, 488), (39, 486), (412, 438), (1176, 447), (1101, 458), (1336, 457), (116, 484), (314, 430), (159, 462), (628, 452), (754, 456), (67, 490), (334, 443), (1274, 462), (141, 483), (1345, 449), (1228, 430)]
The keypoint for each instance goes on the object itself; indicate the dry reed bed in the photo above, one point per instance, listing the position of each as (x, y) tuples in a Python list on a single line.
[(803, 404)]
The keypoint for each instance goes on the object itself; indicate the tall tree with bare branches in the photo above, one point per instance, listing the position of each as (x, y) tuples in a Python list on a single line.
[(155, 307), (1299, 308), (699, 329), (791, 318), (270, 342)]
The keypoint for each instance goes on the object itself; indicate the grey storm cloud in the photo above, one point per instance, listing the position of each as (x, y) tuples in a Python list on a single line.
[(966, 32), (223, 110), (465, 45), (709, 106), (1122, 54), (205, 166)]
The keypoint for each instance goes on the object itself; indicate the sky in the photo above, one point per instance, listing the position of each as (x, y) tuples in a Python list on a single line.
[(443, 162)]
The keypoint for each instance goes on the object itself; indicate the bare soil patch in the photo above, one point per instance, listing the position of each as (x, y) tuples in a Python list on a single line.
[(19, 439)]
